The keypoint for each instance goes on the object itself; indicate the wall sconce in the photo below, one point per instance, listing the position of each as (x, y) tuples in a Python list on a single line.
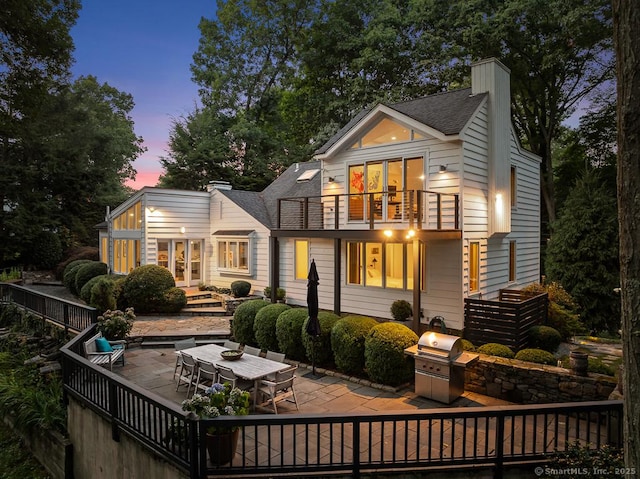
[(183, 230), (442, 168), (388, 233), (152, 209), (331, 179), (410, 234)]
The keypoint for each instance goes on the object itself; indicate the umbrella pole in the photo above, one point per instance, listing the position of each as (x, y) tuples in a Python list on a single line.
[(313, 356)]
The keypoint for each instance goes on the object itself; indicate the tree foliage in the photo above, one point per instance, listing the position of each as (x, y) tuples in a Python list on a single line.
[(66, 147), (582, 253)]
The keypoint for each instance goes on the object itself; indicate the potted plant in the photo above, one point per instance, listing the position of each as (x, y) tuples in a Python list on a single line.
[(219, 400), (116, 324)]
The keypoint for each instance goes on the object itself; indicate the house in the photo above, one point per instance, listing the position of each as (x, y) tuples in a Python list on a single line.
[(431, 200)]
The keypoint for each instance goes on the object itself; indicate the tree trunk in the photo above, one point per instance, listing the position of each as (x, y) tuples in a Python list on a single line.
[(627, 45)]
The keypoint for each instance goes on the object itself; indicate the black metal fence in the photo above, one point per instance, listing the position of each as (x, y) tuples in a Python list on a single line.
[(506, 321), (66, 314)]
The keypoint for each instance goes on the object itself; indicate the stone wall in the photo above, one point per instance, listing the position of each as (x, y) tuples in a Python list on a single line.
[(530, 383)]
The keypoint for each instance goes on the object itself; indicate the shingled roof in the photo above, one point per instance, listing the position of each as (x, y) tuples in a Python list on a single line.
[(263, 206), (447, 112)]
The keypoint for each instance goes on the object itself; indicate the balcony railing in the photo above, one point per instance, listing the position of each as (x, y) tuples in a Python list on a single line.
[(414, 208)]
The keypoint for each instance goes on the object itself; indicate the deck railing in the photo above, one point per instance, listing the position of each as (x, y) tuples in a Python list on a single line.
[(66, 314), (453, 439), (417, 209), (506, 321)]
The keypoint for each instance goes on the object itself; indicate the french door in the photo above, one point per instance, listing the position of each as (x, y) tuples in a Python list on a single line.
[(183, 258)]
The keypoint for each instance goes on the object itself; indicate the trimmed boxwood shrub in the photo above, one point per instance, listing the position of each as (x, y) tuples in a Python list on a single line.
[(243, 319), (347, 342), (544, 337), (240, 289), (88, 271), (281, 293), (384, 356), (467, 345), (495, 349), (289, 332), (264, 326), (69, 276), (401, 310), (535, 355), (173, 300), (322, 351), (145, 287)]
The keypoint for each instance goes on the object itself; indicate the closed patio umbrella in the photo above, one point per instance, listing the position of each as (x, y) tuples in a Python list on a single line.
[(313, 324)]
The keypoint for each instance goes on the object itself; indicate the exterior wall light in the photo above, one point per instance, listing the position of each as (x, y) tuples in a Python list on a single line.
[(388, 233), (183, 230), (442, 168), (331, 179)]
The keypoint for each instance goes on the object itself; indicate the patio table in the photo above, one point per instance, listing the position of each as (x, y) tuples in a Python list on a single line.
[(253, 368)]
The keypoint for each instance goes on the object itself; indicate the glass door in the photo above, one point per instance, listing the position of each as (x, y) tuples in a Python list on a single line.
[(180, 262), (195, 265)]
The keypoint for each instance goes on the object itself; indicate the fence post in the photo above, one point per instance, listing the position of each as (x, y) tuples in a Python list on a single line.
[(198, 461), (113, 410), (498, 471), (356, 449), (65, 318)]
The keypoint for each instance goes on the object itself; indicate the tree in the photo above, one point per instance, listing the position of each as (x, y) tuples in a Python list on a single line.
[(559, 52), (626, 21), (582, 253)]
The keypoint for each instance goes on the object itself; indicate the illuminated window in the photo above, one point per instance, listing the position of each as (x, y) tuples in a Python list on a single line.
[(384, 132), (301, 254), (474, 267), (354, 263), (383, 265), (512, 261), (233, 255), (130, 219)]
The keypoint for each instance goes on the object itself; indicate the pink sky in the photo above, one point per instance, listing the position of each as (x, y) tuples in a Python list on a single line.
[(144, 48)]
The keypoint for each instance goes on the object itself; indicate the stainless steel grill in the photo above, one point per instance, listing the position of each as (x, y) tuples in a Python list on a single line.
[(439, 366)]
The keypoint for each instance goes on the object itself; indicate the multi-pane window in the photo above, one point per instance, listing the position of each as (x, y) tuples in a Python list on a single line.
[(233, 255), (474, 267), (385, 189), (385, 265), (301, 254), (130, 219), (126, 255)]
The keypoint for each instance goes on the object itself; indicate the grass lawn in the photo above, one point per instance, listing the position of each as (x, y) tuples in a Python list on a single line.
[(15, 460)]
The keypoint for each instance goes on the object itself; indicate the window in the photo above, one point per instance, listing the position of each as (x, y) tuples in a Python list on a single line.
[(384, 186), (130, 219), (301, 255), (233, 255), (383, 265), (512, 261), (126, 255), (514, 187), (474, 267), (384, 132)]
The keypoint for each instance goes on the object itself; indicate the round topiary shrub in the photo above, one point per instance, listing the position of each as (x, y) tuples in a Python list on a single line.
[(289, 332), (495, 349), (144, 288), (85, 292), (467, 345), (545, 337), (321, 345), (347, 342), (240, 289), (401, 310), (173, 300), (243, 319), (281, 293), (384, 356), (534, 355), (264, 326), (69, 276), (87, 271)]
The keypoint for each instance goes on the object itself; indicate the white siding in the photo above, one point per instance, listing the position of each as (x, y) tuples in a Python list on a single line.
[(228, 216)]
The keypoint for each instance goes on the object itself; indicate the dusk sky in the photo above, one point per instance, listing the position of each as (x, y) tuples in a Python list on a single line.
[(144, 48)]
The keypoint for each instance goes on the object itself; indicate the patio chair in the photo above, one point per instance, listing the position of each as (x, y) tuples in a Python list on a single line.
[(179, 346), (275, 356), (281, 389), (206, 376), (188, 370), (252, 350), (226, 375), (231, 344)]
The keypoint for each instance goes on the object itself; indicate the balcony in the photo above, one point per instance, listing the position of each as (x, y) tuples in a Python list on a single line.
[(412, 209)]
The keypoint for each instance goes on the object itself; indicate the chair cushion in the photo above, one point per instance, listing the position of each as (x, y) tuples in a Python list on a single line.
[(103, 346)]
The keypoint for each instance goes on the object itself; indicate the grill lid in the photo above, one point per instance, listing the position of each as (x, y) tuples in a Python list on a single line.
[(441, 345)]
